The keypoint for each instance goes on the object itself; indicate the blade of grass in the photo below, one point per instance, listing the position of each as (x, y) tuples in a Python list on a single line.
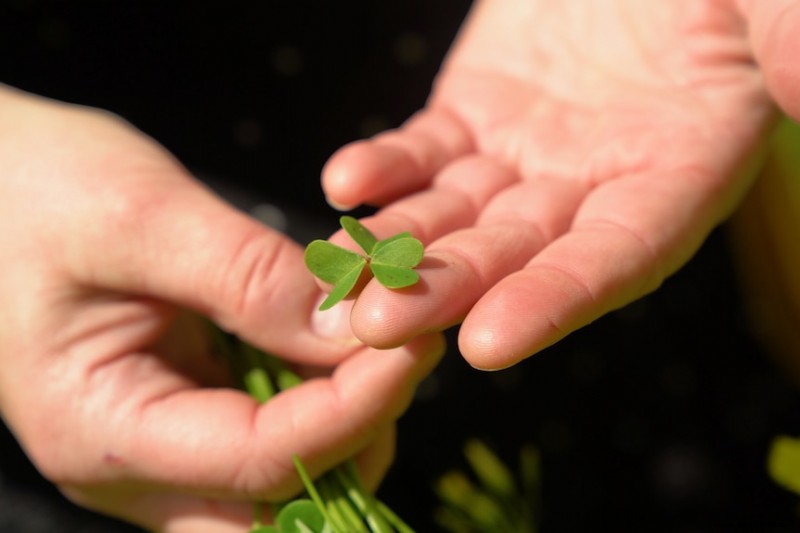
[(347, 477), (311, 489), (338, 499)]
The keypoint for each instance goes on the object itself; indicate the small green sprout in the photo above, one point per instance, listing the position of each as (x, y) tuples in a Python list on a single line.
[(391, 261)]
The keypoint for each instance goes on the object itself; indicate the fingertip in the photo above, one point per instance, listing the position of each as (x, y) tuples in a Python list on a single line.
[(508, 325), (339, 206), (774, 30), (490, 348), (379, 320), (334, 324), (346, 175), (479, 348), (368, 172), (781, 69)]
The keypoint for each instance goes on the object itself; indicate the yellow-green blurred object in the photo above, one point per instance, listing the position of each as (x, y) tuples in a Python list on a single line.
[(489, 468), (766, 241), (783, 463), (495, 500)]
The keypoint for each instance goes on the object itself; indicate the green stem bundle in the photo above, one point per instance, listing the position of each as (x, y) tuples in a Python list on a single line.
[(341, 504)]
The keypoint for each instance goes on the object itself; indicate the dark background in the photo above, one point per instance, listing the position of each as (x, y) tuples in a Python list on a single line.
[(655, 418)]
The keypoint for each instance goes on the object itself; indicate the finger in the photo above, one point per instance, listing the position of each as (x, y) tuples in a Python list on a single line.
[(774, 30), (460, 267), (396, 162), (367, 394), (127, 218), (454, 200), (628, 236), (162, 234), (220, 443), (375, 460)]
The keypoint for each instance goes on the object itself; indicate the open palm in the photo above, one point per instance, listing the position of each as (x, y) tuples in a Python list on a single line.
[(572, 155)]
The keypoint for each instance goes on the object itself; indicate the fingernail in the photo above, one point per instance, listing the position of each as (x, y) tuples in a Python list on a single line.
[(338, 206), (334, 323)]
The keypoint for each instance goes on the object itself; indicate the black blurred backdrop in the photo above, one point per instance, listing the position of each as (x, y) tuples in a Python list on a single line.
[(654, 418)]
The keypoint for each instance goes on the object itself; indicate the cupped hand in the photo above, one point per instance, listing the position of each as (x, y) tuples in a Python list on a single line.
[(111, 253), (572, 155)]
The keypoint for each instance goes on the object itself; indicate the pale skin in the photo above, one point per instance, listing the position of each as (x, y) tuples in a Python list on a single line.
[(571, 156), (110, 252)]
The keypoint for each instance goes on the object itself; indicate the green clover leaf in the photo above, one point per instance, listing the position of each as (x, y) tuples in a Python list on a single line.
[(359, 233), (300, 516), (335, 265), (391, 261)]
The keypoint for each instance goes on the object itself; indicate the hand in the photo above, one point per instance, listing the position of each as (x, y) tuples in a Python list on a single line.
[(572, 156), (110, 253)]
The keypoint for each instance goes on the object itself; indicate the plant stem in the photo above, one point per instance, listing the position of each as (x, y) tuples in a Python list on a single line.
[(309, 485), (339, 495)]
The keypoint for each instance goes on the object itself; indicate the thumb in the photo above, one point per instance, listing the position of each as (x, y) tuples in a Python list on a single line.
[(774, 27)]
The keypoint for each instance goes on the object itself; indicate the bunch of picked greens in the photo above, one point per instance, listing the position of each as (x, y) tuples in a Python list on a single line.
[(336, 502)]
